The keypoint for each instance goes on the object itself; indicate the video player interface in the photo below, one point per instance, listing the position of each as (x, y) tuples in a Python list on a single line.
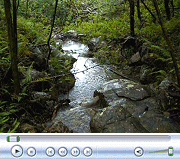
[(92, 146)]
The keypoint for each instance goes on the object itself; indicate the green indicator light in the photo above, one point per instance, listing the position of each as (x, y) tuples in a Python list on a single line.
[(13, 139)]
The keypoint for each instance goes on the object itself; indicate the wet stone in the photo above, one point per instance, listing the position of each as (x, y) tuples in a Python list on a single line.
[(124, 88)]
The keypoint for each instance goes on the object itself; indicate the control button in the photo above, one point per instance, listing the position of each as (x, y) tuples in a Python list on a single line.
[(138, 151), (13, 139), (170, 151), (17, 151), (75, 151), (63, 151), (50, 151), (31, 151), (87, 151)]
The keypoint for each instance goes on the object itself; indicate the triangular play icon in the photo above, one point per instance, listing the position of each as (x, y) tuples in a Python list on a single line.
[(17, 151), (139, 151)]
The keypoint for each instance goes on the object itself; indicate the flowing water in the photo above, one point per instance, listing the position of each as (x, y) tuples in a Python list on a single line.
[(88, 73)]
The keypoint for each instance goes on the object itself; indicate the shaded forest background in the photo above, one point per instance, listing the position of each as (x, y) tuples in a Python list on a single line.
[(155, 22)]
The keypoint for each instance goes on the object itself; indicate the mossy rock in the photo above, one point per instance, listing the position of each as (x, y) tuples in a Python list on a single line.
[(65, 84)]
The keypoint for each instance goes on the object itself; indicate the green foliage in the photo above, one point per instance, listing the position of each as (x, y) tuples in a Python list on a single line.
[(62, 63), (27, 78), (43, 10), (5, 119), (30, 33)]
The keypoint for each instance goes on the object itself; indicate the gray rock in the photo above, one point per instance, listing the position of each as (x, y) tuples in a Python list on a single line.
[(123, 88), (165, 84), (36, 50), (81, 35), (71, 34), (57, 37), (76, 119), (94, 44), (115, 119), (157, 123), (129, 113), (57, 127), (135, 58), (162, 93), (36, 74), (124, 115), (39, 61), (41, 95)]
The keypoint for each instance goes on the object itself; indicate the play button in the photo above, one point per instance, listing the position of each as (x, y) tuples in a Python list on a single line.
[(138, 151), (17, 151)]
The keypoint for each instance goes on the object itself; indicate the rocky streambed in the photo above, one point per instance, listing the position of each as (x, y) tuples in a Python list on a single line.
[(102, 101)]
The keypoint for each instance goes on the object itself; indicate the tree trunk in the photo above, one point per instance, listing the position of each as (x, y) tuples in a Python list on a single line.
[(168, 12), (27, 6), (138, 9), (12, 42), (167, 41), (154, 18), (172, 4), (17, 5), (15, 27), (131, 2), (52, 26)]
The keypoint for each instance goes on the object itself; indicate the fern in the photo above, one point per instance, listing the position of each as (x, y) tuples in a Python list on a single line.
[(15, 125), (28, 77), (158, 48)]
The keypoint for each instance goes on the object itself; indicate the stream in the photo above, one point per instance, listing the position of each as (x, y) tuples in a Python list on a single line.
[(90, 74), (130, 108)]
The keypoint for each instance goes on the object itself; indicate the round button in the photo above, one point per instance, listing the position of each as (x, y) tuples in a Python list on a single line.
[(63, 151), (50, 151), (31, 151), (138, 151), (87, 151), (17, 151), (75, 151)]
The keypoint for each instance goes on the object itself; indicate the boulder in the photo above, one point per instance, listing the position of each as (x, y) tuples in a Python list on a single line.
[(41, 97), (76, 119), (156, 122), (71, 34), (26, 128), (36, 50), (57, 127), (95, 44), (135, 58), (39, 61), (39, 85), (117, 88), (66, 84), (36, 74), (162, 93), (130, 108), (115, 120)]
